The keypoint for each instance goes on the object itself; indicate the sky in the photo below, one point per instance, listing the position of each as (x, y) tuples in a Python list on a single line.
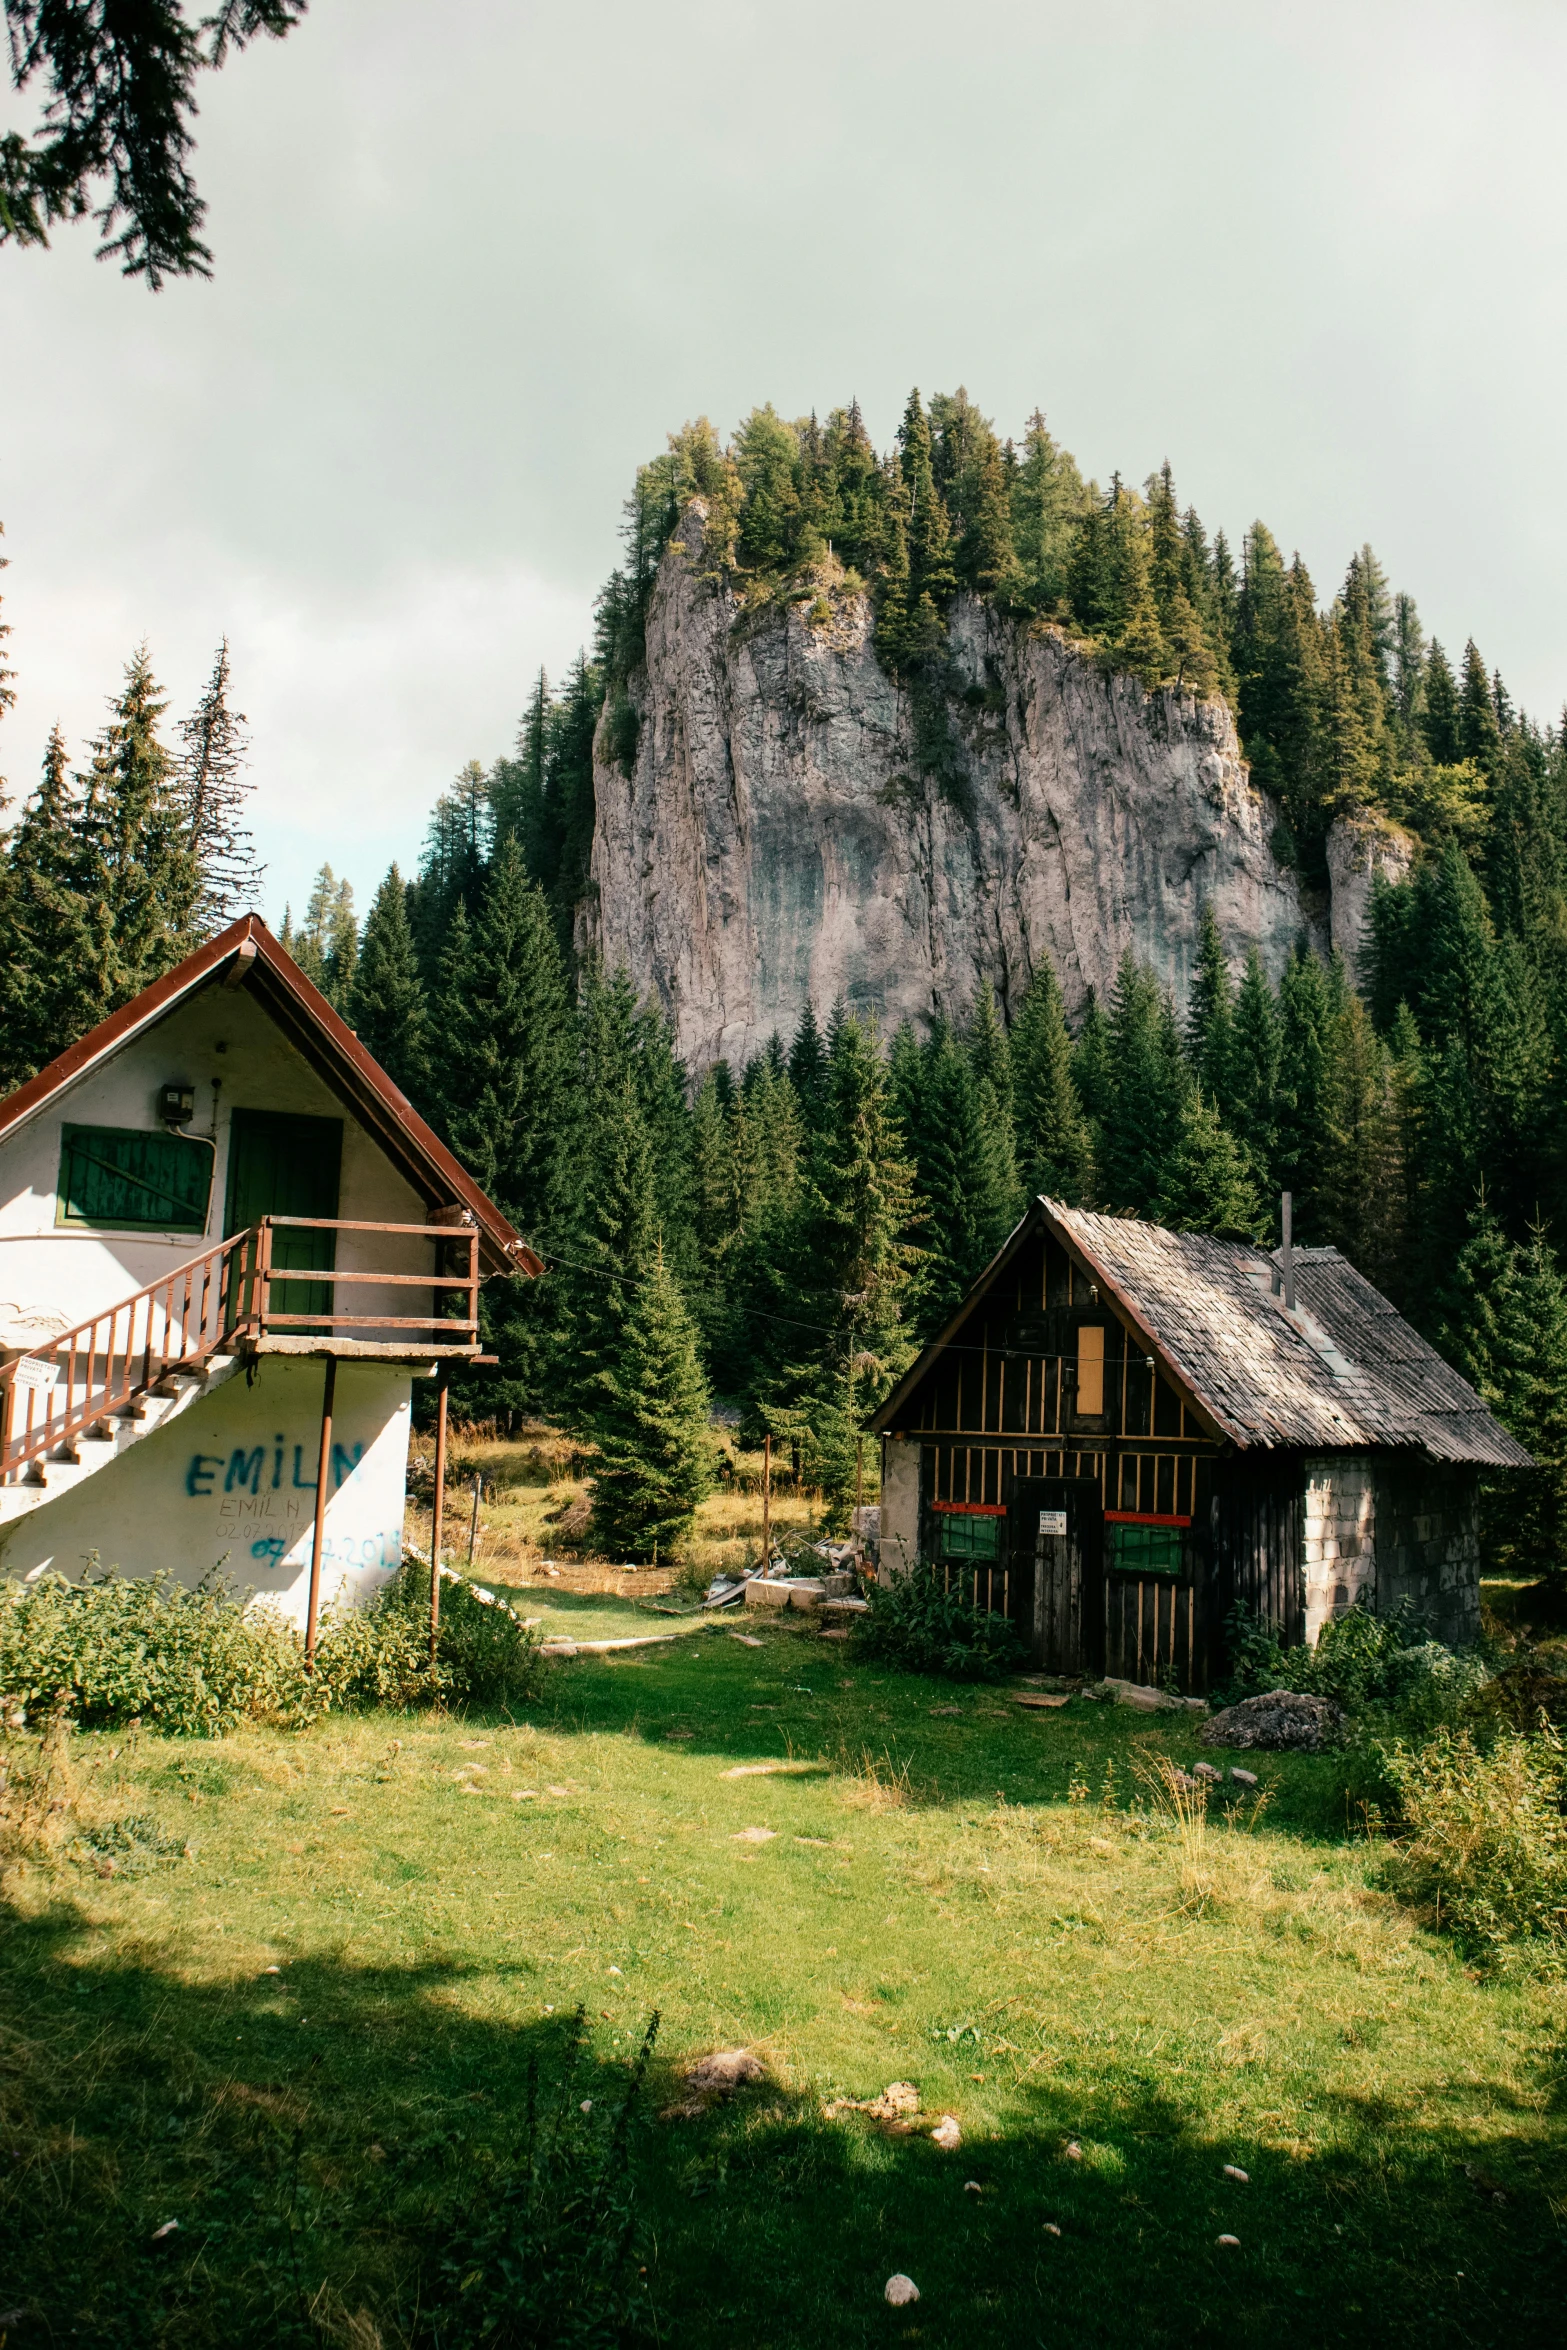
[(475, 259)]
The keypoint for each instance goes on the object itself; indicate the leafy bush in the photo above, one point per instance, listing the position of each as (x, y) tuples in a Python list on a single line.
[(1378, 1668), (197, 1663), (1486, 1842), (916, 1623)]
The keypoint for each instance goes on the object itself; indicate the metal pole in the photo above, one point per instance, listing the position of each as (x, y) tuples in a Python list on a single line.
[(438, 1512), (1287, 1252), (767, 1504), (473, 1524), (323, 1466)]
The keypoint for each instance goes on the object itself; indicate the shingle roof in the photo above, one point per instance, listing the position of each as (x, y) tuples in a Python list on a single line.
[(1344, 1369)]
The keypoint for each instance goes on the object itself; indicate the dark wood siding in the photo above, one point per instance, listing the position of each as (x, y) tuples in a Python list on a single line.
[(1257, 1545)]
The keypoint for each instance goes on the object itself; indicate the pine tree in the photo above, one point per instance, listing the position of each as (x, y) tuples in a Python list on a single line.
[(309, 943), (211, 784), (1055, 1149), (1047, 505), (932, 578), (386, 1005), (1093, 1070), (647, 1411)]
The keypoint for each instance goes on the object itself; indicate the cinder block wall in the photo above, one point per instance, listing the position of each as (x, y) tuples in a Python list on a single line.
[(1428, 1545), (1340, 1535)]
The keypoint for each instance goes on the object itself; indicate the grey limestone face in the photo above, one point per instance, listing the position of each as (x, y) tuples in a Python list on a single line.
[(776, 842)]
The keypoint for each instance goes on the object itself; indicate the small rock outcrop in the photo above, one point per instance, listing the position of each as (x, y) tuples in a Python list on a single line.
[(1281, 1718)]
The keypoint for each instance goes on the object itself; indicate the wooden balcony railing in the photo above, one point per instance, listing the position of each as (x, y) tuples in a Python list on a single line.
[(234, 1297)]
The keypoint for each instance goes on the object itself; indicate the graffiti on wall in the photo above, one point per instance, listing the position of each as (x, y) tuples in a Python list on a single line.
[(266, 1505)]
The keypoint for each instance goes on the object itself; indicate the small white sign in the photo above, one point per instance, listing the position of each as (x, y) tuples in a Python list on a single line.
[(32, 1372), (1052, 1521)]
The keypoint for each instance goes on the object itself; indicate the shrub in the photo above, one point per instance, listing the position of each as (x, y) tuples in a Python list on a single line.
[(918, 1624), (1486, 1842), (1378, 1668), (197, 1663)]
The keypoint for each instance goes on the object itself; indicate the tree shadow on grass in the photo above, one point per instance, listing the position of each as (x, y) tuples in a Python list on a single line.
[(332, 2140)]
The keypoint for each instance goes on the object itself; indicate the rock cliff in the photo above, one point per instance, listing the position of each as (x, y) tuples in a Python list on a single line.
[(775, 839)]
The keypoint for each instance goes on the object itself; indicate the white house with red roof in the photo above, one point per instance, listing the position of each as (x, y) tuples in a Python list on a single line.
[(228, 1246)]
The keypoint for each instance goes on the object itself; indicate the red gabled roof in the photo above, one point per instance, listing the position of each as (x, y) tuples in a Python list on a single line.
[(253, 959)]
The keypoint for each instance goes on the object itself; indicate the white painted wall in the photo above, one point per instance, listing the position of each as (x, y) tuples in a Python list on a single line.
[(226, 1046), (230, 1483), (900, 1506)]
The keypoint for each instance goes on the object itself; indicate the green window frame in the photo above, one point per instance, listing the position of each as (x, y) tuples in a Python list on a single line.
[(1147, 1550), (124, 1179), (963, 1535)]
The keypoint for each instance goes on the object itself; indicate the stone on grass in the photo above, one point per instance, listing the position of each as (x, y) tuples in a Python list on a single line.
[(1227, 2239), (1243, 1778), (947, 2134), (1207, 1773), (901, 2290), (725, 2068), (1282, 1718), (1233, 2171), (1051, 2229)]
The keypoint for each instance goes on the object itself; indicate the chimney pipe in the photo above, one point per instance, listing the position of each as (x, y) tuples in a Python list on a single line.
[(1287, 1252)]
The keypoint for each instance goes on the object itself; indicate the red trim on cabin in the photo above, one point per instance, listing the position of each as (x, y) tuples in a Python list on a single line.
[(1141, 1518), (249, 947), (971, 1509)]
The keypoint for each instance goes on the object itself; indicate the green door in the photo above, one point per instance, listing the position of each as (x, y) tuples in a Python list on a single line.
[(284, 1166)]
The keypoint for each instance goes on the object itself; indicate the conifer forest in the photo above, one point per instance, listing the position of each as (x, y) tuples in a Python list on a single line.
[(779, 1239)]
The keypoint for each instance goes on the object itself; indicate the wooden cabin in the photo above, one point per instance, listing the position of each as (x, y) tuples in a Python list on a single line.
[(1124, 1431), (228, 1245)]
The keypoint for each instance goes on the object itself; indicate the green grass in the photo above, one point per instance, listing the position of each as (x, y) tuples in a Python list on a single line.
[(931, 1905)]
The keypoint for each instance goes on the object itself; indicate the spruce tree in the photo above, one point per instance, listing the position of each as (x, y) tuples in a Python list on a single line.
[(309, 944), (1048, 498), (1504, 1323), (1055, 1152), (965, 1187), (47, 986), (808, 1068), (1479, 735), (1210, 1016), (647, 1412), (1252, 1107), (137, 868), (386, 1005), (1149, 1084), (1310, 999), (210, 780), (1361, 1197), (1439, 715), (1205, 1184)]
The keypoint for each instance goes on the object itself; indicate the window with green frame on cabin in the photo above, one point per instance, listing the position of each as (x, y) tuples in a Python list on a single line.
[(1145, 1550), (117, 1177), (964, 1537)]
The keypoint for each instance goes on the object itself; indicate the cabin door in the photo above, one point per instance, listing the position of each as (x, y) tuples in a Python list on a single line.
[(287, 1166), (1057, 1534)]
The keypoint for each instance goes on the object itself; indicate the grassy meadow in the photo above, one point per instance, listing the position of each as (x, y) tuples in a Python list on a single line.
[(300, 2015)]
